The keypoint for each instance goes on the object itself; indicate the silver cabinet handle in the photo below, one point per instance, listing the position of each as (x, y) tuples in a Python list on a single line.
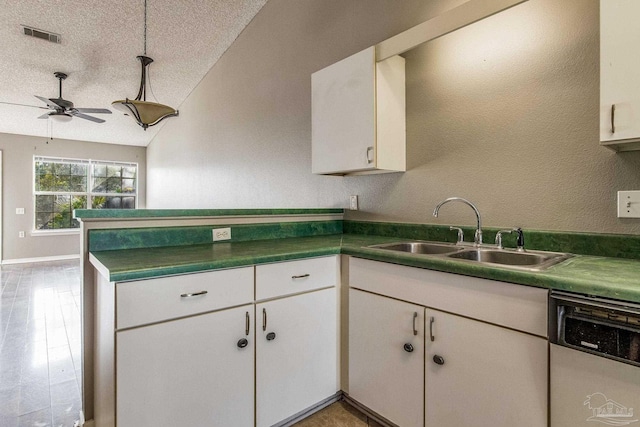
[(613, 118), (302, 276), (369, 159), (415, 316), (247, 324), (193, 294), (264, 319), (431, 320)]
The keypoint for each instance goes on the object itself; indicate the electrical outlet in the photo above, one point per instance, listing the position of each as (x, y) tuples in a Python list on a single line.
[(20, 233), (221, 234), (353, 203), (20, 211)]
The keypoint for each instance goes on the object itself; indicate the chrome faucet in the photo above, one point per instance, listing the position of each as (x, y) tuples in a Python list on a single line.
[(478, 236)]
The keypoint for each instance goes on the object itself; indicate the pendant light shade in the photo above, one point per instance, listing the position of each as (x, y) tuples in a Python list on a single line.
[(145, 113)]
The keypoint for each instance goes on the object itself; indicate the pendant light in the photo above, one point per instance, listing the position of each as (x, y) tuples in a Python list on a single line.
[(145, 113)]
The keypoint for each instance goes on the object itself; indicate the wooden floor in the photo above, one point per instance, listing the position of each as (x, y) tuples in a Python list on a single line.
[(40, 337)]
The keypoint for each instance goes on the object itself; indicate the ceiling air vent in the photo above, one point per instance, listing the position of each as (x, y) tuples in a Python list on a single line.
[(41, 34)]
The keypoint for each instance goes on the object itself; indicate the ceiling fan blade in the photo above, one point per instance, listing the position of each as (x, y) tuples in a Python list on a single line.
[(84, 116), (93, 110), (44, 116), (23, 105), (50, 103)]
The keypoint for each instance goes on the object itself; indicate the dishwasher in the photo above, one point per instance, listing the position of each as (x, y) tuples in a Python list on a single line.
[(594, 361)]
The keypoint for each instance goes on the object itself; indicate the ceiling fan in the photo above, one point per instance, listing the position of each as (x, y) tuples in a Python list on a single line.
[(63, 110)]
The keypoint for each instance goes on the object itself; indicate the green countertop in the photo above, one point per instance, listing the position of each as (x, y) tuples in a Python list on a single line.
[(605, 277)]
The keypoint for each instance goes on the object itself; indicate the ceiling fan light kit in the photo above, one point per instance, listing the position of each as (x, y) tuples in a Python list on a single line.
[(145, 113), (60, 117)]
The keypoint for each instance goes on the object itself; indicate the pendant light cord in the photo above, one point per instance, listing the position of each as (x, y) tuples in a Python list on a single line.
[(148, 82), (145, 27)]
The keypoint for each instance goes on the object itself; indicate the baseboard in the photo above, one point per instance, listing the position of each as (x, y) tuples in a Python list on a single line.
[(368, 412), (309, 411), (40, 259)]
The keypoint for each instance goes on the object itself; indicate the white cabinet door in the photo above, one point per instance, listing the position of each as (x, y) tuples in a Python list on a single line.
[(187, 372), (296, 354), (386, 358), (358, 115), (482, 375), (343, 103), (619, 64)]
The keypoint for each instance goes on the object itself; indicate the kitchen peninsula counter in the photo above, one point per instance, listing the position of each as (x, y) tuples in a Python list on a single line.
[(599, 276)]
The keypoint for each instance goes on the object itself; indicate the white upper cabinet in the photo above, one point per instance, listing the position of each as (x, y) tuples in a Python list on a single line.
[(358, 116), (619, 77)]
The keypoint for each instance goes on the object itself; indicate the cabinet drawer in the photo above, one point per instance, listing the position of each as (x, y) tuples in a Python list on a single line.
[(519, 307), (291, 277), (155, 300)]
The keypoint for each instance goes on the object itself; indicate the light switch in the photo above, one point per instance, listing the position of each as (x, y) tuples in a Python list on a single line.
[(19, 211), (628, 204)]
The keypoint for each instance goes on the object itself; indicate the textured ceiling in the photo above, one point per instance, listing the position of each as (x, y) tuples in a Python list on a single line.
[(100, 42)]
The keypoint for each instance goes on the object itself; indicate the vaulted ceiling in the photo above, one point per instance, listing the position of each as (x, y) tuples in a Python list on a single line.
[(99, 44)]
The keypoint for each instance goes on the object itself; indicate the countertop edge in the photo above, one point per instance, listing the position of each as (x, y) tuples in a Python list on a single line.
[(559, 277)]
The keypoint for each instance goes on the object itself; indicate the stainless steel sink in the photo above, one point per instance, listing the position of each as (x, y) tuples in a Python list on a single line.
[(501, 257), (526, 260), (423, 248), (532, 260)]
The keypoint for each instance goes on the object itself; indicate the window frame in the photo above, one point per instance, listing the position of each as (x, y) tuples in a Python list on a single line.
[(88, 194)]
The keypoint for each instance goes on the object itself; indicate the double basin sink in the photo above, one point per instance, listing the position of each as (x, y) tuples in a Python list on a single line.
[(522, 260)]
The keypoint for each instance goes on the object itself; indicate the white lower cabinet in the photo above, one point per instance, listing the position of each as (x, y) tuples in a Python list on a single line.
[(190, 350), (188, 372), (482, 375), (296, 348), (386, 357), (480, 355)]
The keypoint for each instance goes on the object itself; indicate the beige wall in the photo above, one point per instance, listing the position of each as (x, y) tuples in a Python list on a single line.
[(17, 186), (504, 113)]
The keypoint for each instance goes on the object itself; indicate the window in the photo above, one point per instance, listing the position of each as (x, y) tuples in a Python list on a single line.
[(62, 185)]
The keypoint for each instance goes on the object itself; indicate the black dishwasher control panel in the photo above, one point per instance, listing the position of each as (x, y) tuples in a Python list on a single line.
[(602, 327)]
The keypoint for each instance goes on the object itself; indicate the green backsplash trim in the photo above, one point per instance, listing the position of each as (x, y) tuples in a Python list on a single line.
[(154, 237), (607, 245), (159, 213)]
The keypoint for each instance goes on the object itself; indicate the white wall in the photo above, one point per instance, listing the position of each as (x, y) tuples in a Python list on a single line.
[(504, 112), (17, 183)]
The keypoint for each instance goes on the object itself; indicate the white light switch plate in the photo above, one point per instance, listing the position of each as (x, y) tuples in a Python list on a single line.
[(19, 211), (628, 204)]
